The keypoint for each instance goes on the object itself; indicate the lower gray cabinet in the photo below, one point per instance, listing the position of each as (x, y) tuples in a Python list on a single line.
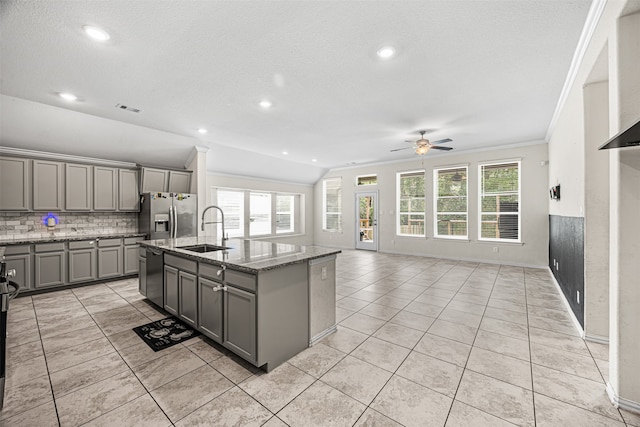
[(18, 258), (210, 308), (240, 322), (171, 289), (131, 263), (49, 265), (188, 298), (82, 265), (109, 258), (142, 276)]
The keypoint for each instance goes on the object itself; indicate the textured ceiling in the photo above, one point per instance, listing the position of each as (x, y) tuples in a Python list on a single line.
[(484, 73)]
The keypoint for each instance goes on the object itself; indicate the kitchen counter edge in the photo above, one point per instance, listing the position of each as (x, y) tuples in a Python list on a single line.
[(36, 240)]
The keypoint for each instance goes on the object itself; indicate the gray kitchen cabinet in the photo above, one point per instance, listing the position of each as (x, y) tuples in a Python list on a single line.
[(18, 258), (109, 258), (171, 289), (240, 322), (154, 180), (128, 194), (82, 258), (210, 308), (49, 265), (105, 188), (142, 276), (179, 182), (14, 184), (131, 255), (188, 298), (78, 187), (47, 185)]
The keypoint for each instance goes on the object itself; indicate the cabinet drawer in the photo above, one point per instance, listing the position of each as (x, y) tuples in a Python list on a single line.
[(50, 247), (241, 280), (17, 249), (84, 244), (132, 240), (181, 263), (210, 271), (109, 243)]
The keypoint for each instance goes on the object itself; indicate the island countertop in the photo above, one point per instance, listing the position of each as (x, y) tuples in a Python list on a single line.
[(252, 256)]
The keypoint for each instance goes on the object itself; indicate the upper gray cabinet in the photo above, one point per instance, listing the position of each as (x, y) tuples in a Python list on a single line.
[(14, 184), (79, 191), (154, 180), (128, 194), (47, 185), (179, 182), (105, 188)]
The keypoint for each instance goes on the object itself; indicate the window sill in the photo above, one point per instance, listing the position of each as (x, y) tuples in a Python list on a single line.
[(500, 242), (452, 239)]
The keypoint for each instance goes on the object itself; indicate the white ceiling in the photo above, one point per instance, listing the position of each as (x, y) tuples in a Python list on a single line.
[(484, 73)]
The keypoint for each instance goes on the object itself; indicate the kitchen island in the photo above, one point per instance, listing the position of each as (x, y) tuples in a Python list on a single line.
[(263, 301)]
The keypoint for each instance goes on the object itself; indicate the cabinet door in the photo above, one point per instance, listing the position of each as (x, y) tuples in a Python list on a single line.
[(105, 188), (82, 265), (188, 298), (47, 185), (154, 180), (171, 290), (14, 184), (142, 276), (109, 262), (22, 265), (49, 269), (79, 191), (131, 259), (128, 195), (210, 309), (240, 322), (179, 182)]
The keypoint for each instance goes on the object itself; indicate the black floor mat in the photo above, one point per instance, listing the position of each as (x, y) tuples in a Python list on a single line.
[(165, 333)]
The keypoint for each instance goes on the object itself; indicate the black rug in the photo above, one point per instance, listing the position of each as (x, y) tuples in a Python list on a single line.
[(165, 333)]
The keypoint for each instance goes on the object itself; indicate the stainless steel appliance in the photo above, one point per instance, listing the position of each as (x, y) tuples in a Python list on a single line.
[(8, 291), (155, 284), (168, 215)]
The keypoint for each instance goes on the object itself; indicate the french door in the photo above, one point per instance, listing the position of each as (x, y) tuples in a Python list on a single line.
[(367, 220)]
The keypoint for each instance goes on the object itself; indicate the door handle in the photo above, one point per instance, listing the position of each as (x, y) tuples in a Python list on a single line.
[(175, 221)]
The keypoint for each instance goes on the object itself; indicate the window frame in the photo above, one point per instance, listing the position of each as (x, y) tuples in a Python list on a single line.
[(399, 215), (481, 194), (436, 198), (324, 205), (370, 175), (291, 213)]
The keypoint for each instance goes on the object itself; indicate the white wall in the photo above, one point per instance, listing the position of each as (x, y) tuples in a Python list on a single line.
[(533, 251), (245, 183)]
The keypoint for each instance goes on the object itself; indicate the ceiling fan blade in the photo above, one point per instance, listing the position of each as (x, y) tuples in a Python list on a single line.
[(442, 141), (399, 149), (442, 148)]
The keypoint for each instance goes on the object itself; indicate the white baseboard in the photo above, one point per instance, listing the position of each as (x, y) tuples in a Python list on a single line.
[(596, 338), (566, 304), (621, 402)]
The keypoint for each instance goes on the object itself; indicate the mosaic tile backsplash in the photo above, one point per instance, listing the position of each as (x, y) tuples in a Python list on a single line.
[(23, 225)]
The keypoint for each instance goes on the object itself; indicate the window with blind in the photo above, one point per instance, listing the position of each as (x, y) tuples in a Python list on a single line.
[(232, 204), (332, 204), (500, 201), (411, 204), (285, 219), (450, 193)]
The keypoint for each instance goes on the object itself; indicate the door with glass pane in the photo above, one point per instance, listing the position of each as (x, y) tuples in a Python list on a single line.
[(367, 221)]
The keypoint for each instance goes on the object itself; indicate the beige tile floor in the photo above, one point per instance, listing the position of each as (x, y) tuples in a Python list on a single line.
[(421, 342)]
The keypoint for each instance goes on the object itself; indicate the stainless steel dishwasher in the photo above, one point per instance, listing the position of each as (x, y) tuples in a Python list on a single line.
[(155, 277)]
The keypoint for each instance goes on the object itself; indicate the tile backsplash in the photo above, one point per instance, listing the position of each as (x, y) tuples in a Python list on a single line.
[(20, 225)]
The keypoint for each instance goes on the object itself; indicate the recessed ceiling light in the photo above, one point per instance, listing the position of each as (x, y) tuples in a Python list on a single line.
[(285, 152), (96, 33), (265, 103), (314, 160), (202, 130), (68, 96), (386, 52)]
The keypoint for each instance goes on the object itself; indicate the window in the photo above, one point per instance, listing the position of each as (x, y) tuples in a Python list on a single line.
[(285, 220), (332, 204), (450, 192), (260, 214), (367, 180), (411, 204), (232, 204), (500, 201)]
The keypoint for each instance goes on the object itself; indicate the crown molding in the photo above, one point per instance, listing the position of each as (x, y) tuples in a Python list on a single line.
[(20, 152)]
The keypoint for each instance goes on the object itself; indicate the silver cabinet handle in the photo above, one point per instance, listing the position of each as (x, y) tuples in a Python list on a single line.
[(224, 288), (224, 267), (91, 242), (217, 288)]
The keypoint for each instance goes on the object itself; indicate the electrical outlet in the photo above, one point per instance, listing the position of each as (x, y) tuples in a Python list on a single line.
[(495, 249), (324, 273), (578, 296), (558, 266)]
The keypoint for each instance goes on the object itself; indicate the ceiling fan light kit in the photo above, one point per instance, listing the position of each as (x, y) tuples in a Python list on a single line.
[(423, 145)]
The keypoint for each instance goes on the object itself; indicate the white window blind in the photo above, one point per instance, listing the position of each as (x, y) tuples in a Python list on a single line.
[(500, 201), (232, 204), (285, 220), (332, 204), (411, 204), (450, 202), (260, 214)]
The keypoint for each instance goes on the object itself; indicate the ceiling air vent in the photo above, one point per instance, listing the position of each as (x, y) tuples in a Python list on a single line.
[(132, 109)]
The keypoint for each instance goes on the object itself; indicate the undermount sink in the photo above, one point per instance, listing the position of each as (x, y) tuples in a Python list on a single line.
[(203, 248)]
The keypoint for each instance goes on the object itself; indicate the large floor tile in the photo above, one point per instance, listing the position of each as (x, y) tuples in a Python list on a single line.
[(378, 311), (351, 304), (87, 373), (501, 367), (321, 405), (25, 351), (381, 353), (462, 317), (357, 378), (444, 349), (453, 331), (277, 388), (26, 396), (463, 415), (399, 335), (167, 368), (363, 323), (371, 418), (412, 320), (141, 353), (510, 329), (41, 416), (205, 349), (423, 309), (430, 372), (81, 353), (560, 341), (317, 360), (65, 340), (411, 404), (506, 315), (566, 361), (503, 344), (552, 413), (140, 412), (21, 371)]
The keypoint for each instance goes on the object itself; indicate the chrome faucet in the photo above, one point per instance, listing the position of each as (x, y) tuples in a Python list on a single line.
[(214, 222)]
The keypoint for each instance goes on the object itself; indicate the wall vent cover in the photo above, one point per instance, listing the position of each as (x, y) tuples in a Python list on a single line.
[(132, 109)]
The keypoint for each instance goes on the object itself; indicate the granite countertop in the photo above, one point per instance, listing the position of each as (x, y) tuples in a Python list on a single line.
[(252, 256), (65, 238)]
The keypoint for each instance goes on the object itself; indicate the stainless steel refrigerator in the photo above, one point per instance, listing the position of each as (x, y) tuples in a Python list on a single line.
[(168, 215)]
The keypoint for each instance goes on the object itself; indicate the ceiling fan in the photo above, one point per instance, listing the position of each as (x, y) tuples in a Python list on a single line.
[(423, 145)]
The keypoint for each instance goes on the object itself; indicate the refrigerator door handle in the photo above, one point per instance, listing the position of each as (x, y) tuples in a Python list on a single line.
[(175, 220), (171, 220)]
